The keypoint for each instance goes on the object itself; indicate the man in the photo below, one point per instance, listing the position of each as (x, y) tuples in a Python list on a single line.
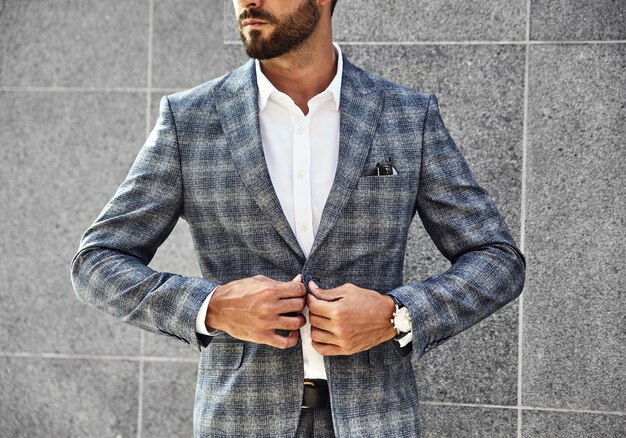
[(299, 175)]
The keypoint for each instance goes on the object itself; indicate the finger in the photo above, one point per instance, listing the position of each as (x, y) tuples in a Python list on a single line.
[(289, 289), (320, 322), (319, 307), (313, 287), (264, 279), (326, 349), (290, 322), (283, 342), (323, 336), (325, 294), (288, 305)]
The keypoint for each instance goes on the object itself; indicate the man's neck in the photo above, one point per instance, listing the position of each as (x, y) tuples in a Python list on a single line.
[(303, 73)]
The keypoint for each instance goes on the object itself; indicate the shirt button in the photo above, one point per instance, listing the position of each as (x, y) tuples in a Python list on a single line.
[(300, 130), (301, 174), (304, 228)]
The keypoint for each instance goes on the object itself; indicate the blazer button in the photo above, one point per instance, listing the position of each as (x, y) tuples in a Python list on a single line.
[(308, 278)]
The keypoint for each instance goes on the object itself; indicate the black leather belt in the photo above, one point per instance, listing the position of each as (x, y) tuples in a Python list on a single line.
[(315, 395)]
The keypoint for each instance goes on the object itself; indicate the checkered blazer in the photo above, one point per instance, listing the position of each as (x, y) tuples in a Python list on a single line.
[(204, 162)]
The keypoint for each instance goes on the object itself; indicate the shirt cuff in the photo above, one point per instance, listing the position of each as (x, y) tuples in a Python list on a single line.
[(403, 341), (201, 318)]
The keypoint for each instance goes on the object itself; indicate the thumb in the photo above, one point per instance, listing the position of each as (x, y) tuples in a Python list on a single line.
[(324, 294), (297, 278)]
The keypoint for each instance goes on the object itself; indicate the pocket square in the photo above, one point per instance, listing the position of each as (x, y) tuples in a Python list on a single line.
[(385, 169)]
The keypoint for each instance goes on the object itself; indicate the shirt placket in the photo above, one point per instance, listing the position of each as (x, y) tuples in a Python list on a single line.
[(303, 212)]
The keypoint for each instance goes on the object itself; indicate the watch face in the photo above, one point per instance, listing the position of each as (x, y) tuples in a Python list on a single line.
[(403, 320)]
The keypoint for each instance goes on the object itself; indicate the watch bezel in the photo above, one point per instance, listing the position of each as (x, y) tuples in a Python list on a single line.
[(402, 320)]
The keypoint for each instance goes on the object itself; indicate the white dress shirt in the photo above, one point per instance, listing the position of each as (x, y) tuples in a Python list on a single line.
[(301, 153)]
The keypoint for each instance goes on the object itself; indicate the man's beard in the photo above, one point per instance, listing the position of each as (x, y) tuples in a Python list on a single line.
[(288, 34)]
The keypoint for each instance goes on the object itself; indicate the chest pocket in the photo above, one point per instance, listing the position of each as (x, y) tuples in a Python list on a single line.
[(384, 205)]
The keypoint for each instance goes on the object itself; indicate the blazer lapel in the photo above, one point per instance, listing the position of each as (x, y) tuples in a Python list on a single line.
[(360, 107), (238, 112)]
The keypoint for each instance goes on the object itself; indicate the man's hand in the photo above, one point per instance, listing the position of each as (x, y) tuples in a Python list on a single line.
[(348, 319), (252, 309)]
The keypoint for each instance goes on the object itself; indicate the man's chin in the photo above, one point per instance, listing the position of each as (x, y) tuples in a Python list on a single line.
[(253, 43), (257, 50), (252, 36), (261, 56)]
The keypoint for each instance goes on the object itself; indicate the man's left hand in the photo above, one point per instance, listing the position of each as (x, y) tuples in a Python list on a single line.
[(348, 319)]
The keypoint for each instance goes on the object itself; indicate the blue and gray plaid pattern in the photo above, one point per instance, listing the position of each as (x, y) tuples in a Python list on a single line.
[(204, 162)]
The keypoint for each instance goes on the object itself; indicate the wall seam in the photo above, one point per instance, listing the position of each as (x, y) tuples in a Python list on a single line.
[(461, 43), (520, 322), (142, 339), (140, 390), (75, 89), (100, 357), (90, 89), (527, 408)]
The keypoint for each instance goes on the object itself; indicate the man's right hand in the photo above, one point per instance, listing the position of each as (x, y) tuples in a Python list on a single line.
[(252, 309)]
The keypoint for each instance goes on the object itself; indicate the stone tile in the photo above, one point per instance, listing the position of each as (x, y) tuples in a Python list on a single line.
[(40, 313), (68, 153), (234, 56), (187, 44), (454, 20), (168, 399), (540, 424), (229, 22), (467, 422), (574, 313), (68, 398), (408, 21), (477, 366), (577, 20), (73, 43)]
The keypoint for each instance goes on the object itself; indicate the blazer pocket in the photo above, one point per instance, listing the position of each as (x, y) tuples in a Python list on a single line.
[(222, 355), (380, 210), (400, 181), (388, 354)]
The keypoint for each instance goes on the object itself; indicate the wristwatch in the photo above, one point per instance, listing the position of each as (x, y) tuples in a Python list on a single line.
[(401, 319)]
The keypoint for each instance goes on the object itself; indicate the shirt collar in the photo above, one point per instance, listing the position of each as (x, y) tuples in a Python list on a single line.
[(266, 88)]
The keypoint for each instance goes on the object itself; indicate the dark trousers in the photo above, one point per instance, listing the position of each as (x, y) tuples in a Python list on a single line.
[(315, 423)]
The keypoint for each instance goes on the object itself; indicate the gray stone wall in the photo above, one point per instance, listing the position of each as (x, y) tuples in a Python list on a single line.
[(533, 91)]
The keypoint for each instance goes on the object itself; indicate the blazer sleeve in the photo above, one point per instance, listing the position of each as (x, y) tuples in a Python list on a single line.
[(110, 269), (487, 269)]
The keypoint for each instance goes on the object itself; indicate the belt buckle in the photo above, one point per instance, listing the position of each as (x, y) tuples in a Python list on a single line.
[(312, 385)]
